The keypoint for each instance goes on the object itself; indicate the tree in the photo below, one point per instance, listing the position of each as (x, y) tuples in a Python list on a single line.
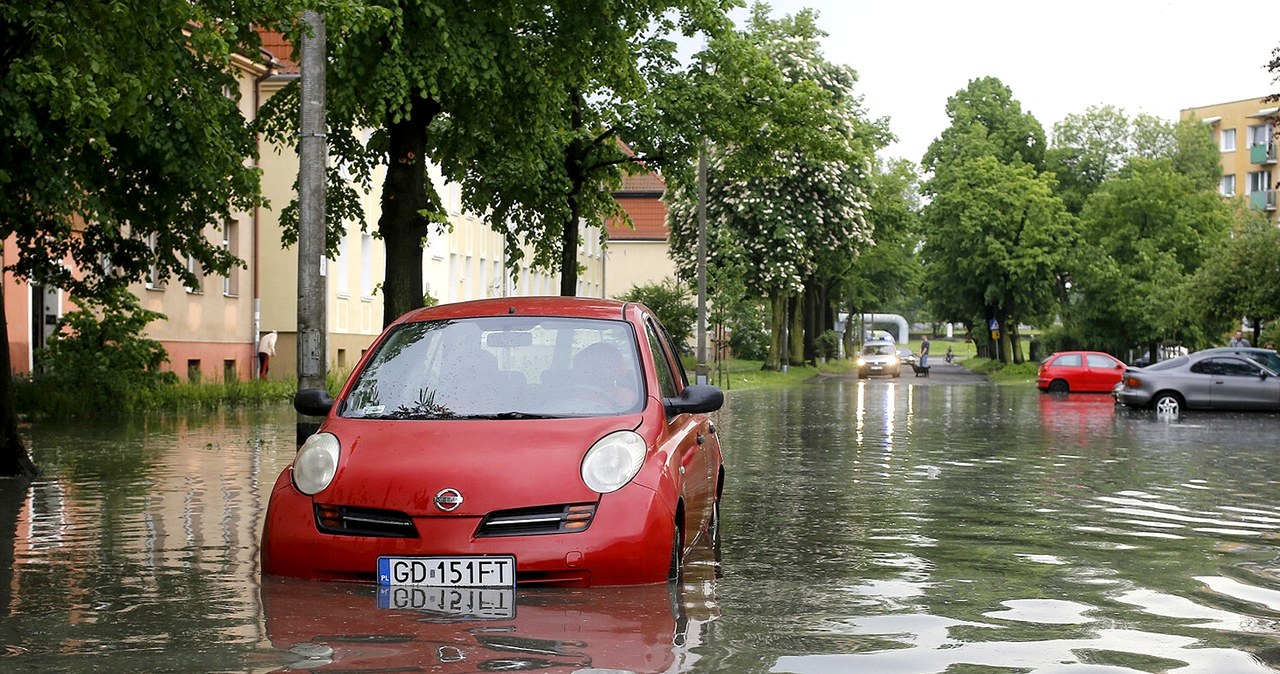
[(995, 246), (1144, 233), (1237, 277), (121, 149), (889, 272), (520, 103), (1093, 146), (1011, 135), (786, 201)]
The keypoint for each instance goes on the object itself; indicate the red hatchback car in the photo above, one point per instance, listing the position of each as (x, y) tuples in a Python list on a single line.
[(1079, 372), (539, 441)]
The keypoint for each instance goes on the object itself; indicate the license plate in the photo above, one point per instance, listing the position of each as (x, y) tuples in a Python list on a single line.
[(484, 603), (488, 571)]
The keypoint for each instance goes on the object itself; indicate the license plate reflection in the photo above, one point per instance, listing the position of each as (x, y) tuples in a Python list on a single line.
[(484, 603)]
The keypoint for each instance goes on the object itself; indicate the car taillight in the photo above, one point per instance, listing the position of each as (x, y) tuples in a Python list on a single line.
[(1132, 382)]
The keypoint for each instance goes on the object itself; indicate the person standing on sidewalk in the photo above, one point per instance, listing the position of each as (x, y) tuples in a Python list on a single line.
[(266, 349), (924, 352)]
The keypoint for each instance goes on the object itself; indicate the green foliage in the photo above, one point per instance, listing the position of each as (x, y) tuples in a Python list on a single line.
[(1146, 232), (986, 119), (828, 344), (672, 304), (98, 362), (1238, 277)]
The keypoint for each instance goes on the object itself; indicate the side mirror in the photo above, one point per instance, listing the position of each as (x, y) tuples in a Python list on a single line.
[(313, 402), (695, 399)]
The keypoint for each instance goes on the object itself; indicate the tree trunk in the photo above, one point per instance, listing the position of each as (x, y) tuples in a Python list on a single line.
[(569, 251), (795, 352), (777, 328), (404, 197), (14, 461)]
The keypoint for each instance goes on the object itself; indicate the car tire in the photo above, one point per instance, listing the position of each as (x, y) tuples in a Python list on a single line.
[(677, 555), (1059, 386), (1167, 404)]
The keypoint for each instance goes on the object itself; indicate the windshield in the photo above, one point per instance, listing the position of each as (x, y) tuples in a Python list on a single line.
[(878, 350), (513, 367)]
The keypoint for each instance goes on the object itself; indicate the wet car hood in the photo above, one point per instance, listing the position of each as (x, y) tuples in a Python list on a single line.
[(403, 465)]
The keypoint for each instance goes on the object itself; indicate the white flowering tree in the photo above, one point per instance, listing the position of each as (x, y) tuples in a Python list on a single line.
[(790, 220)]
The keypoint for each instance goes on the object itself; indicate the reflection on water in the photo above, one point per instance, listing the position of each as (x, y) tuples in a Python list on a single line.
[(873, 526)]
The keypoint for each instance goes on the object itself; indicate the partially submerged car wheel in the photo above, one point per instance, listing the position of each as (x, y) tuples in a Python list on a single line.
[(1167, 405), (1059, 386), (677, 555)]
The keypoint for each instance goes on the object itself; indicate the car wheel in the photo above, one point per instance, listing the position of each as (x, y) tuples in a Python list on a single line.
[(1167, 405), (677, 555), (1059, 386)]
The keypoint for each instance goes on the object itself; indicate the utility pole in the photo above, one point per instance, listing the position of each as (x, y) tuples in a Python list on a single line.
[(700, 376), (312, 157)]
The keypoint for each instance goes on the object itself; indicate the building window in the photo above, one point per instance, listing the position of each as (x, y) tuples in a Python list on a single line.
[(231, 244), (193, 371), (153, 271), (229, 371), (194, 266), (1227, 140), (1259, 181), (1259, 134), (1228, 186), (366, 266), (341, 277)]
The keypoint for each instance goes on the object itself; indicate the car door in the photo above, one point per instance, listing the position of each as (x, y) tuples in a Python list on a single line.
[(688, 433), (1241, 384), (1103, 372)]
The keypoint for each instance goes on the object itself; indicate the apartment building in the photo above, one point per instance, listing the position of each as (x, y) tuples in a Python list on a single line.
[(1246, 136)]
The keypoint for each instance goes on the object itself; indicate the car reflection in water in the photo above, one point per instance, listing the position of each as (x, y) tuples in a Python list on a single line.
[(324, 626), (1081, 418)]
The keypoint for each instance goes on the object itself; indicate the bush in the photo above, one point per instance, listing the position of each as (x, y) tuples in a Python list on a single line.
[(98, 365), (828, 344), (671, 302)]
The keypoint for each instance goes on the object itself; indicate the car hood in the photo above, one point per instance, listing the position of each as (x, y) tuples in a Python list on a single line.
[(403, 465)]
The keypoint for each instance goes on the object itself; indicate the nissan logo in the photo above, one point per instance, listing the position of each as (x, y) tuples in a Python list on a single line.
[(448, 499)]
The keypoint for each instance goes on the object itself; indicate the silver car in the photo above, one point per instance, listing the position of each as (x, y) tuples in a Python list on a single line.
[(879, 358), (1210, 379)]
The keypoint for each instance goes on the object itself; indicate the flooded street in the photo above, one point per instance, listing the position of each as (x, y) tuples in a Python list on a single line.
[(875, 526)]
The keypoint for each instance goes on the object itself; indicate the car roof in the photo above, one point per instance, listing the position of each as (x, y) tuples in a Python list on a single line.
[(581, 307)]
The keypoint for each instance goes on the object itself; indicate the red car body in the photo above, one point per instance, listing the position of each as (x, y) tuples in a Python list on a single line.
[(1079, 372), (505, 476)]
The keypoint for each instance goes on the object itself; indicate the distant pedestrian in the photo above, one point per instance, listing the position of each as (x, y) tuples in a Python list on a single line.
[(266, 349), (1238, 340), (924, 352)]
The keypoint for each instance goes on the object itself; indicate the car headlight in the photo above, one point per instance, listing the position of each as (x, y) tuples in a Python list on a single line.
[(862, 361), (316, 463), (611, 463)]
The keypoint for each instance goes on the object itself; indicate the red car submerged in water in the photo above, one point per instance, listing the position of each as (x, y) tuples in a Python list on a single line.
[(547, 441), (1079, 372)]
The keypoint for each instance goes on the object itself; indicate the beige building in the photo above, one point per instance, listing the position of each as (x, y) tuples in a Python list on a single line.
[(1245, 133), (639, 256)]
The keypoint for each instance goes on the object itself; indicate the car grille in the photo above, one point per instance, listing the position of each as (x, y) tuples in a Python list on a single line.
[(351, 521), (534, 521)]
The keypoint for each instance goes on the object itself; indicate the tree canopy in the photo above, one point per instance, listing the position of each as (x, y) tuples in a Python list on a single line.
[(123, 145)]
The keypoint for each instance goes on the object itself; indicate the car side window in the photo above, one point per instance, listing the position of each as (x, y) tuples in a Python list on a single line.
[(1068, 360), (1099, 362), (1207, 366), (1232, 367), (661, 364)]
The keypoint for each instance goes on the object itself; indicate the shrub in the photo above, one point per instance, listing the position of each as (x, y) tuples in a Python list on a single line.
[(672, 304), (97, 361)]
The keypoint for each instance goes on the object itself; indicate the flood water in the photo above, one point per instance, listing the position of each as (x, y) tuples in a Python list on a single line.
[(879, 527)]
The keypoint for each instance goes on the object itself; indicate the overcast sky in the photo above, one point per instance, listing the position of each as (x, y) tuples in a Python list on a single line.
[(1059, 58)]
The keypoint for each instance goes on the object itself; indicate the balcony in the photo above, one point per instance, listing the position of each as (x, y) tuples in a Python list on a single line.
[(1264, 200), (1263, 154)]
